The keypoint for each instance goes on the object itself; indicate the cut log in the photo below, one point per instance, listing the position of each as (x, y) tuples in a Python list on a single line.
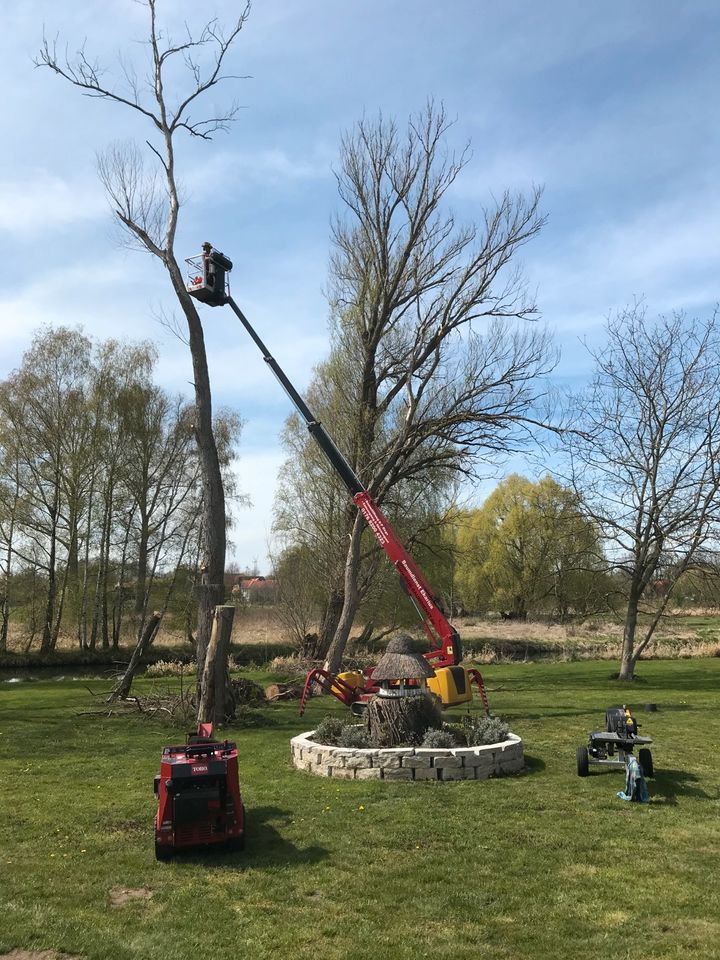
[(283, 691), (121, 690), (216, 704)]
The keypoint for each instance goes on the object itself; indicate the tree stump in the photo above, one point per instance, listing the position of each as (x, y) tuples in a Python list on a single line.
[(392, 721), (216, 704)]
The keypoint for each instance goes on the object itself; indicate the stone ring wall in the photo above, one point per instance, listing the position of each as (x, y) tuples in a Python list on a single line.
[(407, 763)]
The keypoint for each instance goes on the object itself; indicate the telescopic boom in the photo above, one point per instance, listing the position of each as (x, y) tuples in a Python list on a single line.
[(208, 283)]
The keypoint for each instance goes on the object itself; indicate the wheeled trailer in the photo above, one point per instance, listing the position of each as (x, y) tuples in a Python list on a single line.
[(613, 746)]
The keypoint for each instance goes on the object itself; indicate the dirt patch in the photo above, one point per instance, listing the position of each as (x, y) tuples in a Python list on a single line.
[(37, 955), (119, 896), (127, 826)]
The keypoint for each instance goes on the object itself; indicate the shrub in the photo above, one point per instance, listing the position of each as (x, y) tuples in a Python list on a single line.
[(459, 732), (328, 730), (353, 735), (439, 739), (171, 668), (481, 731), (247, 691), (290, 668), (180, 668)]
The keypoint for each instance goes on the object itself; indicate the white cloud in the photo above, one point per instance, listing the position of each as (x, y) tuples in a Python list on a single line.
[(667, 252), (108, 296), (40, 201), (256, 471), (247, 170)]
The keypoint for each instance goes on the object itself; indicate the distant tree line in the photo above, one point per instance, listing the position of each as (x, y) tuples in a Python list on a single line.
[(100, 493)]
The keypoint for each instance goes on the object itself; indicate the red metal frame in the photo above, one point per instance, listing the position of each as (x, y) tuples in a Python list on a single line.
[(474, 676), (348, 694), (338, 687), (443, 636), (446, 651)]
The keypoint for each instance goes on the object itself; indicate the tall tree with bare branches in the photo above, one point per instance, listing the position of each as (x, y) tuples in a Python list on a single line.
[(645, 457), (145, 200), (430, 363)]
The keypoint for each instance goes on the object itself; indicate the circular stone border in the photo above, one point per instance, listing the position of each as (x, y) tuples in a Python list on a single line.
[(407, 763)]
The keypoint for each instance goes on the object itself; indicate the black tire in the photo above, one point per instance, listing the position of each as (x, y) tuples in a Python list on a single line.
[(646, 763), (613, 717), (163, 851), (583, 761)]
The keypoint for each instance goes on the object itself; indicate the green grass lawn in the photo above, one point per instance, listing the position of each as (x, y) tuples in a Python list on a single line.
[(543, 865)]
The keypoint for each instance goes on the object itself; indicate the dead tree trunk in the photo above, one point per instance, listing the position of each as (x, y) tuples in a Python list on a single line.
[(121, 690), (215, 706)]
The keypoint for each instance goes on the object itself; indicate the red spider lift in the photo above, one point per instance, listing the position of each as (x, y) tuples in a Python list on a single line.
[(208, 283)]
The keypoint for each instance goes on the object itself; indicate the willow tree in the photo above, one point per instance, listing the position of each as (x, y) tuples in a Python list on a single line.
[(167, 94), (530, 548)]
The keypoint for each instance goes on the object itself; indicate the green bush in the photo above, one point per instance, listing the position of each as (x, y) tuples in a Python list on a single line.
[(353, 735), (439, 739), (472, 732), (481, 731), (459, 732), (328, 730)]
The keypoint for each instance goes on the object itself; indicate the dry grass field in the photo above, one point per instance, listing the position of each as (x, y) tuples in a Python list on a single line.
[(683, 633)]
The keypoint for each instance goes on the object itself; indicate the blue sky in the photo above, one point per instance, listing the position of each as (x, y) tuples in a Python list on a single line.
[(613, 108)]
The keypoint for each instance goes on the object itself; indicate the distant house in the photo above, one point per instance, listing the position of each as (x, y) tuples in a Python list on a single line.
[(254, 590)]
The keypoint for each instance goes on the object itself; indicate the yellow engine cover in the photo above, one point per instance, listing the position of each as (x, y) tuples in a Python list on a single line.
[(353, 678), (451, 684)]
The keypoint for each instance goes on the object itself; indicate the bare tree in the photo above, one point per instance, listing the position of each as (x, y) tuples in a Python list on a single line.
[(43, 403), (430, 367), (146, 203), (10, 491), (121, 369), (312, 520), (646, 456)]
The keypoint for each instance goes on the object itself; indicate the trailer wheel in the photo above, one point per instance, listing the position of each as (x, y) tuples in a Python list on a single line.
[(613, 718), (163, 851), (583, 761), (646, 763)]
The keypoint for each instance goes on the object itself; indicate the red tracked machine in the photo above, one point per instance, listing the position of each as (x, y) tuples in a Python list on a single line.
[(198, 791)]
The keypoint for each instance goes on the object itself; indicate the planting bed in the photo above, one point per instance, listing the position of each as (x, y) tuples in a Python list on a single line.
[(407, 763)]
